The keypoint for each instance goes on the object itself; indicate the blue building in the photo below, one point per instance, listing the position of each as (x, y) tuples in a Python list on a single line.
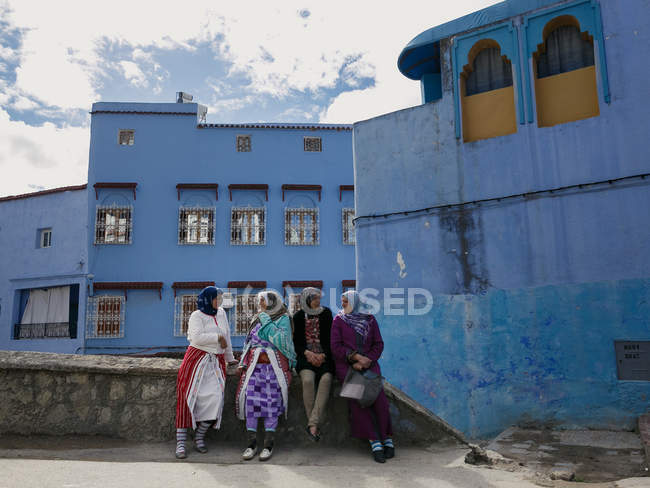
[(517, 195), (43, 265), (175, 203)]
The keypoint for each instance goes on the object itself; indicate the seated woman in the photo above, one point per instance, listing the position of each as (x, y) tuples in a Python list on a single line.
[(202, 376), (311, 338), (265, 369), (357, 343)]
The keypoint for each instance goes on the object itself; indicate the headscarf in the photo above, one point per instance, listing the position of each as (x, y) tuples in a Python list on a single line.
[(281, 336), (274, 305), (356, 319), (204, 300), (305, 301)]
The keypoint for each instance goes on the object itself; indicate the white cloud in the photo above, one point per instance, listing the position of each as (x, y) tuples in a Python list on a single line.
[(43, 155), (280, 47), (300, 45), (134, 74)]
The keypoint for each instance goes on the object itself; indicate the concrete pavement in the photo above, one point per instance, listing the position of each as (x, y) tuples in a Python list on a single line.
[(71, 462)]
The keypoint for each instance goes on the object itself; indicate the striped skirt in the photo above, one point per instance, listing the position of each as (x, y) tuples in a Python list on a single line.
[(187, 378)]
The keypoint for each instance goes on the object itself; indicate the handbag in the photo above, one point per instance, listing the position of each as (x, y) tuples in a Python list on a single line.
[(363, 387)]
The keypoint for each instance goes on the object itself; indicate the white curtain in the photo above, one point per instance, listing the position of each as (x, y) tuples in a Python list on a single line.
[(47, 306)]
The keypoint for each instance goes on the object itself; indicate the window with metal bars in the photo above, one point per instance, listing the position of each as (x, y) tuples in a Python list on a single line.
[(294, 303), (301, 227), (248, 226), (184, 305), (196, 225), (243, 143), (313, 144), (105, 317), (126, 137), (246, 306), (348, 226), (113, 225)]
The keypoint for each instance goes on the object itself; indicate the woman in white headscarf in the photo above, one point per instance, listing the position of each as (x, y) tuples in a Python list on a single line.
[(311, 338), (265, 368)]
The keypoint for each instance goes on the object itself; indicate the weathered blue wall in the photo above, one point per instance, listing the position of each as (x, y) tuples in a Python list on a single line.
[(529, 294), (170, 149), (23, 265)]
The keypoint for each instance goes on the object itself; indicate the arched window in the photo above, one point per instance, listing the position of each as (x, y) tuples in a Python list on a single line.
[(490, 72), (565, 50), (487, 93), (565, 81)]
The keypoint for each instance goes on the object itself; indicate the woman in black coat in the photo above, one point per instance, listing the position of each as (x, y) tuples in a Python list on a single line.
[(311, 339)]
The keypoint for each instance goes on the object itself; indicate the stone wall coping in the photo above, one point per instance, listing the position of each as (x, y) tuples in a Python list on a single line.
[(74, 363)]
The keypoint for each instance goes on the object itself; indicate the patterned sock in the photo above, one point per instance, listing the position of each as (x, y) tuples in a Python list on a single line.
[(388, 442), (181, 437), (199, 435), (376, 446)]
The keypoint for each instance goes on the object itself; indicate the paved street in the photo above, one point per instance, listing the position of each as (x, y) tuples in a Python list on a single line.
[(106, 463)]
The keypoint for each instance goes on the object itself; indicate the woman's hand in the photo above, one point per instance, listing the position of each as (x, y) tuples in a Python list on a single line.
[(362, 360), (223, 342), (358, 366), (311, 358), (365, 362), (240, 370)]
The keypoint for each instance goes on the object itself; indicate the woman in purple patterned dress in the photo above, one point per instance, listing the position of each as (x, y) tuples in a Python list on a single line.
[(265, 369)]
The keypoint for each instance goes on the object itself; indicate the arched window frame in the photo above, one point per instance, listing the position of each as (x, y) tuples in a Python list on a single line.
[(550, 28), (474, 52), (587, 13), (505, 35)]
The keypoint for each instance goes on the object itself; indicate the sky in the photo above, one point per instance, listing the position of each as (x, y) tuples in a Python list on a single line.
[(247, 61)]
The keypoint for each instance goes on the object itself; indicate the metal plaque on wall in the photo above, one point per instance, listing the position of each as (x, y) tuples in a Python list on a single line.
[(633, 360)]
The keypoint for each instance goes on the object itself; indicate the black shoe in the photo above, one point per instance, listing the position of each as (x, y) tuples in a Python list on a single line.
[(313, 437), (379, 456), (200, 448), (389, 452)]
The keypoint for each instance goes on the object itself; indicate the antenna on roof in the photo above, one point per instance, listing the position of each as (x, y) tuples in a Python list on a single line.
[(182, 97)]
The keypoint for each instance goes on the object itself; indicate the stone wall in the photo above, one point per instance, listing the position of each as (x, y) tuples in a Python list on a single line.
[(135, 398)]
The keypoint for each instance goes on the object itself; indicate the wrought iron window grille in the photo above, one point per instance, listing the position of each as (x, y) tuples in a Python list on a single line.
[(126, 137), (196, 225), (243, 143), (184, 305), (313, 144), (105, 317), (347, 217), (248, 226), (113, 225), (301, 227)]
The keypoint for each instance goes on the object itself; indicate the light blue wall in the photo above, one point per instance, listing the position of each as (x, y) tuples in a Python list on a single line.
[(23, 265), (529, 294), (170, 149)]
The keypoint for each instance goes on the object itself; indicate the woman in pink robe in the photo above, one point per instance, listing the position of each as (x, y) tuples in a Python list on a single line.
[(356, 343)]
